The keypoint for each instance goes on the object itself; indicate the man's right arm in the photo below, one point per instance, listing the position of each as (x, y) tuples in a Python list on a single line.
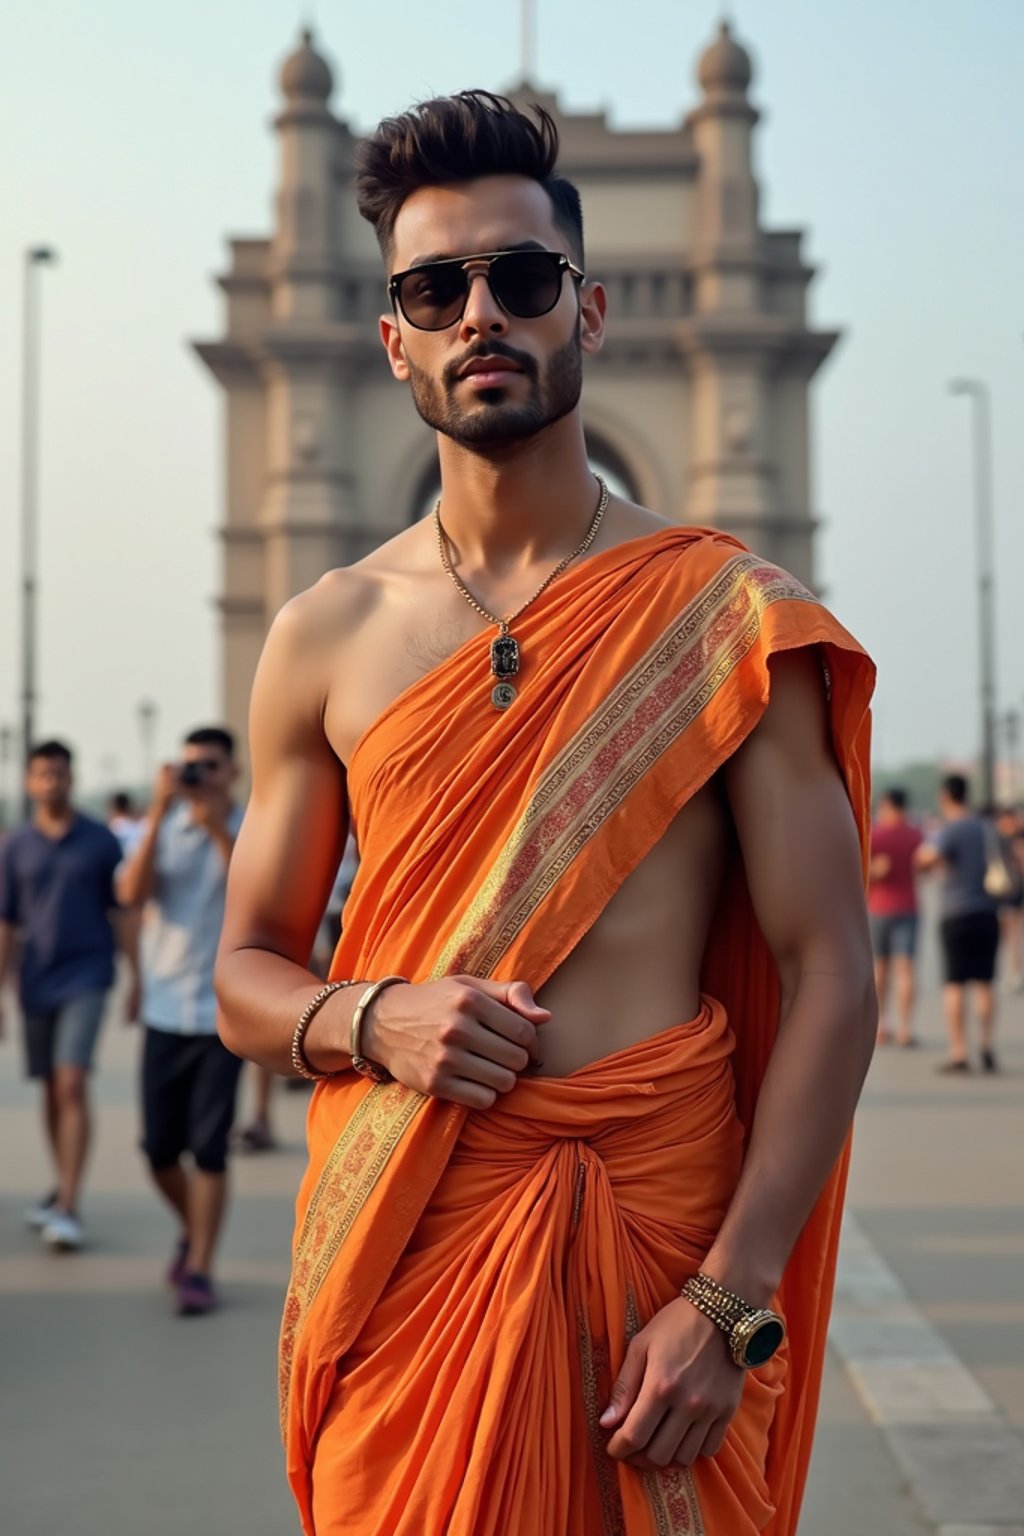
[(460, 1038), (929, 853), (137, 882)]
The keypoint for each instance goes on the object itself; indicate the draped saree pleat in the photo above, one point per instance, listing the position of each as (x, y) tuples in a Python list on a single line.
[(464, 1285)]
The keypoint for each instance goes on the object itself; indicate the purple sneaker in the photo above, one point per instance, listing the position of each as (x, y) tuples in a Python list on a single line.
[(178, 1267), (196, 1295)]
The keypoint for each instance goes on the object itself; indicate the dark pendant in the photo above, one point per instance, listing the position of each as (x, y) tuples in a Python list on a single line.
[(505, 656), (502, 695)]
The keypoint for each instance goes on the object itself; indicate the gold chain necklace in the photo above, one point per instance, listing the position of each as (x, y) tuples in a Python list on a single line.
[(505, 652)]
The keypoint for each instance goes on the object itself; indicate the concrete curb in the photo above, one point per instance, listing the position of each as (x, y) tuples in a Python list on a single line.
[(963, 1462)]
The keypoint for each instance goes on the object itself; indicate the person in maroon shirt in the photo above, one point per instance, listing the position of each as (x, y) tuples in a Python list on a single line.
[(892, 905)]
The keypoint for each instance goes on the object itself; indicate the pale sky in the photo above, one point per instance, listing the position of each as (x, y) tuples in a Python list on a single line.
[(136, 140)]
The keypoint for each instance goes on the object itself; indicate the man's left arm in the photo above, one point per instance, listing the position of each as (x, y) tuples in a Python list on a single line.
[(802, 858), (126, 923), (679, 1389)]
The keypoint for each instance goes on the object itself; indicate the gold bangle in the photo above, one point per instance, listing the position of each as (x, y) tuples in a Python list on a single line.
[(362, 1063), (301, 1064)]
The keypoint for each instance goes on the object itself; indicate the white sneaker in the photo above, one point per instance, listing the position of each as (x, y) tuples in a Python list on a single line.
[(36, 1216), (63, 1230)]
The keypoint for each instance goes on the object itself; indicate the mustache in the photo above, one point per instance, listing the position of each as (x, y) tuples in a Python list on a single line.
[(522, 360)]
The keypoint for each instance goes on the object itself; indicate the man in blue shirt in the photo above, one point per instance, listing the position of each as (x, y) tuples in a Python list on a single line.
[(965, 846), (56, 886), (189, 1079)]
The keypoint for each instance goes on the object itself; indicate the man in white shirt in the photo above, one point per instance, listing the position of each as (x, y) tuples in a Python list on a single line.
[(189, 1079)]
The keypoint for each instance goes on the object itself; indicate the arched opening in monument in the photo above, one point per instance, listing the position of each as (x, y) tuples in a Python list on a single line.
[(604, 461)]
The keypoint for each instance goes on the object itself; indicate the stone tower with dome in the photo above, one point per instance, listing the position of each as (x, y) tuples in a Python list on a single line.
[(698, 405)]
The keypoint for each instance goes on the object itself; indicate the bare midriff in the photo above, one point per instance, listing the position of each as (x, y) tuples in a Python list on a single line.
[(637, 971)]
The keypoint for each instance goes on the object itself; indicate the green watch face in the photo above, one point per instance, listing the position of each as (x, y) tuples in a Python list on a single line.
[(763, 1344)]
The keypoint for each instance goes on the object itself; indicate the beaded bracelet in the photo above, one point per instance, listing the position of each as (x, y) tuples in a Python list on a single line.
[(300, 1062)]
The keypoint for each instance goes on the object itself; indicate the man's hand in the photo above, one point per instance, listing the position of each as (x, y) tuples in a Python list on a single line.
[(165, 789), (460, 1039), (676, 1393)]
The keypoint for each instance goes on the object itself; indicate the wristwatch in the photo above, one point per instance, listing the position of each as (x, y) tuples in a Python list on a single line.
[(753, 1334)]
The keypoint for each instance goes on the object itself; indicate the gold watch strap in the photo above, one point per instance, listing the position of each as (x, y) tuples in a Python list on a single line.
[(736, 1318)]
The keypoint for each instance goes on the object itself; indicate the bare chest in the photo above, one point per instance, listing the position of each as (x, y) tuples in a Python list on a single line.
[(389, 653)]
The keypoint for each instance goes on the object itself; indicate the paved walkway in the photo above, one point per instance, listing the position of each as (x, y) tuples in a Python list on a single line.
[(117, 1418)]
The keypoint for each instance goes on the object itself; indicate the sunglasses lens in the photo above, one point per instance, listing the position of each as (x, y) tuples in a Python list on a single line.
[(526, 283), (432, 297)]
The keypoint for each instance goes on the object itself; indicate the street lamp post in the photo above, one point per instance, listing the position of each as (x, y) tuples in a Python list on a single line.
[(6, 744), (981, 422), (35, 257), (1012, 727), (146, 710)]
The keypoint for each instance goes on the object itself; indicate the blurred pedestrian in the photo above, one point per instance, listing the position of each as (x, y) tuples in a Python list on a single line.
[(1010, 826), (329, 931), (893, 910), (189, 1079), (124, 821), (258, 1134), (57, 888), (962, 847)]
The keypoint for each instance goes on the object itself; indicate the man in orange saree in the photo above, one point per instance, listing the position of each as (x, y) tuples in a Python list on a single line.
[(465, 1285), (518, 1173)]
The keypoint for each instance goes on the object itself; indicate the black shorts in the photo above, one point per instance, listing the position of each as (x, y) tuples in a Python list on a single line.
[(189, 1085), (969, 944)]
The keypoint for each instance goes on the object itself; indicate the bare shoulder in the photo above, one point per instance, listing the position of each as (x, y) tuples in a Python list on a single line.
[(337, 606), (793, 734), (799, 687)]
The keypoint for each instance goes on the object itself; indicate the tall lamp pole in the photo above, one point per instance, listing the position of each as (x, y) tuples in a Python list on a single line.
[(36, 256), (6, 744), (981, 423), (146, 710), (528, 39), (1012, 726)]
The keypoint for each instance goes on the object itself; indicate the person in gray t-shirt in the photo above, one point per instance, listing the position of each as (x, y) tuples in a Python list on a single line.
[(189, 1079), (963, 848)]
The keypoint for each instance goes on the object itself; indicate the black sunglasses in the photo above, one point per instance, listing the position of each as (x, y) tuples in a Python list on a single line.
[(526, 284)]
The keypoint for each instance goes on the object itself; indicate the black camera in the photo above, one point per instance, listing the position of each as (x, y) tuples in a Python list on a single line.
[(192, 775)]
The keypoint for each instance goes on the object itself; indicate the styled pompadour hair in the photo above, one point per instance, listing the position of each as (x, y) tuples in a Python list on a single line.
[(460, 138)]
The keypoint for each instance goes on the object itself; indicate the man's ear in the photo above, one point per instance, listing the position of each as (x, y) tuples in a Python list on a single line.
[(593, 304), (391, 337)]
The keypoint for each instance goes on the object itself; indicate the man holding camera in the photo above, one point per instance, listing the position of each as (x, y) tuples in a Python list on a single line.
[(189, 1079)]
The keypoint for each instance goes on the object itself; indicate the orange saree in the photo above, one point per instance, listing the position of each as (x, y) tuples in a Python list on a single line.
[(464, 1285)]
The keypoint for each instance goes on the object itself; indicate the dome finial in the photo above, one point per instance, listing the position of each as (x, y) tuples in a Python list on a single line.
[(305, 74), (725, 65)]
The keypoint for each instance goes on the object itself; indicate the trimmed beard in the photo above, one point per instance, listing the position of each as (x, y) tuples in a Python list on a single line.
[(493, 423)]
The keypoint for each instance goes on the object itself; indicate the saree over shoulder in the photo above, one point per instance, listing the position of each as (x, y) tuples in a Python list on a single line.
[(490, 843)]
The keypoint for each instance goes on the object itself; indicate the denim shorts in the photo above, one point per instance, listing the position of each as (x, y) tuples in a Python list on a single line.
[(893, 934), (64, 1036)]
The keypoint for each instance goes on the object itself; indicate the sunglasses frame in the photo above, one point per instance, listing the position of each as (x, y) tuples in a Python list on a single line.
[(560, 260)]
